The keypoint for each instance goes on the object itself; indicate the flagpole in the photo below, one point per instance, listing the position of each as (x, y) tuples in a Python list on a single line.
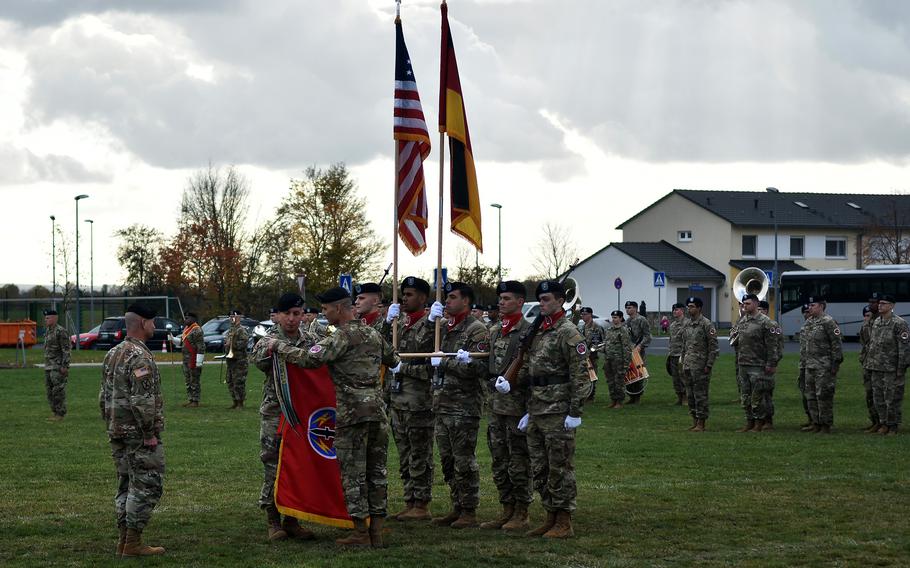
[(395, 249), (442, 159)]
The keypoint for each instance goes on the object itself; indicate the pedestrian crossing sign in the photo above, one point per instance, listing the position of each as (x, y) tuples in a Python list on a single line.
[(660, 279)]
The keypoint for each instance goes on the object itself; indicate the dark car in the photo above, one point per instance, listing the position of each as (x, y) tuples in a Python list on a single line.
[(87, 340), (213, 331), (113, 331)]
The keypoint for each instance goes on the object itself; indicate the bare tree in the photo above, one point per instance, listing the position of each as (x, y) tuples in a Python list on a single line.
[(887, 236), (555, 251), (481, 278)]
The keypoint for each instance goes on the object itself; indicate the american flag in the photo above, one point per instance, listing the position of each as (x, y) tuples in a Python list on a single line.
[(412, 142)]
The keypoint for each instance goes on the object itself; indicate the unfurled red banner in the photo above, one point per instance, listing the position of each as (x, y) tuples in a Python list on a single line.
[(308, 484)]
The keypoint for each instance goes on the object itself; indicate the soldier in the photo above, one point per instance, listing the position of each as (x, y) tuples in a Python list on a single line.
[(823, 356), (594, 336), (493, 315), (675, 350), (458, 391), (801, 381), (311, 324), (289, 312), (131, 406), (367, 304), (56, 365), (640, 331), (757, 357), (870, 312), (508, 445), (410, 400), (477, 311), (353, 354), (235, 342), (192, 343), (617, 358), (765, 308), (699, 351), (887, 360), (555, 374)]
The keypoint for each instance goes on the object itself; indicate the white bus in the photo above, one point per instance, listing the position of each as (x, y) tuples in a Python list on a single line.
[(846, 291)]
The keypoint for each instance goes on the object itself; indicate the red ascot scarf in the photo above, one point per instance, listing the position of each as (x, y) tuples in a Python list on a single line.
[(550, 321), (455, 320), (413, 317), (369, 318), (509, 322)]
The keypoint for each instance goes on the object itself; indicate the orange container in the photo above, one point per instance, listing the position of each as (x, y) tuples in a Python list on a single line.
[(9, 333)]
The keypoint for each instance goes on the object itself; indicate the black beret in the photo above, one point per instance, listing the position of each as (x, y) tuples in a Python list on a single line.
[(632, 303), (617, 313), (513, 287), (678, 306), (367, 288), (142, 311), (750, 297), (550, 287), (191, 315), (333, 295), (866, 310), (804, 308), (461, 287), (418, 284), (50, 312), (236, 313), (586, 310), (273, 310), (695, 300), (480, 307), (311, 310), (493, 308), (886, 298), (815, 300), (764, 305), (288, 301), (874, 297)]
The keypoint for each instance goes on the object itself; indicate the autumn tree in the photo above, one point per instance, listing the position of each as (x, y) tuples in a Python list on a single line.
[(138, 254)]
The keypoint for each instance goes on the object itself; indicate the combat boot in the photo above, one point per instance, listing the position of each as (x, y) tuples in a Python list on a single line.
[(360, 536), (448, 519), (810, 428), (467, 520), (883, 429), (376, 531), (750, 424), (133, 546), (769, 426), (547, 525), (699, 426), (240, 405), (823, 429), (871, 428), (275, 530), (233, 406), (418, 512), (55, 418), (292, 528), (408, 505), (519, 520), (562, 528), (694, 424), (759, 424), (121, 541), (892, 431), (508, 509)]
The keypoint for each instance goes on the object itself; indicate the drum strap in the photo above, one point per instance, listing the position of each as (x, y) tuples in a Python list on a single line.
[(547, 381)]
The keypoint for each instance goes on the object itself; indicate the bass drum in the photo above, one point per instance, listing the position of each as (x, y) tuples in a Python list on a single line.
[(636, 376)]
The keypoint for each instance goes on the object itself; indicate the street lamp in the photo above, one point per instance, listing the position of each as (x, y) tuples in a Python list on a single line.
[(53, 263), (776, 282), (499, 264), (78, 312), (91, 264)]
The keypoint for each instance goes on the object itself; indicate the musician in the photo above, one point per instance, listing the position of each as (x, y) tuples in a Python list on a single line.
[(508, 445), (699, 352), (675, 350), (640, 331), (368, 303), (594, 336), (870, 312), (617, 358), (757, 356), (235, 341), (765, 308)]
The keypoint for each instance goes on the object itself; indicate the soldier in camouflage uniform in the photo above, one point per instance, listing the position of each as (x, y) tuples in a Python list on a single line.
[(131, 403), (458, 386), (870, 312), (56, 365), (555, 374), (368, 303), (410, 401), (887, 361), (193, 348), (801, 381), (287, 329), (508, 445), (699, 352), (757, 356), (594, 335), (235, 342), (311, 325), (823, 356), (354, 354), (675, 350), (765, 308), (617, 358), (640, 331)]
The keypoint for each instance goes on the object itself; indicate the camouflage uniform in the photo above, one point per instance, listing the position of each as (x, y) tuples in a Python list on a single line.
[(640, 332), (238, 366), (458, 390), (675, 350), (411, 404), (865, 335), (315, 329), (617, 358), (823, 355), (193, 344), (756, 349), (801, 381), (555, 374), (594, 335), (887, 360), (270, 412), (769, 396), (131, 405), (699, 351), (354, 354), (508, 445), (56, 359)]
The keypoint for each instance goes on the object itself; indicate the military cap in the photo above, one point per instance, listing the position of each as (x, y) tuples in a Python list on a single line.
[(333, 295), (142, 311), (763, 304), (617, 313), (461, 287), (815, 300), (513, 287), (866, 310), (678, 306), (311, 310), (632, 303), (480, 307), (273, 310), (236, 313), (886, 298), (288, 301), (750, 297), (418, 284), (191, 315), (804, 308), (50, 312), (493, 308), (367, 288), (695, 300), (586, 310), (874, 297), (550, 287)]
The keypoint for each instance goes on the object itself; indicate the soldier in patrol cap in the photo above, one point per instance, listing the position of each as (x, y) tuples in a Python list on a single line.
[(823, 357), (675, 350), (887, 360), (367, 304), (870, 312), (617, 358), (757, 356), (640, 331), (235, 342), (56, 364), (556, 376), (699, 352)]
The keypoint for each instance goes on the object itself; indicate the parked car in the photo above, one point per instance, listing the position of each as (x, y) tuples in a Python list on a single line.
[(87, 340), (113, 331), (530, 310), (213, 331)]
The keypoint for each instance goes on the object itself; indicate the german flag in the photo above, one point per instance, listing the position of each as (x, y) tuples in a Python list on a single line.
[(453, 121)]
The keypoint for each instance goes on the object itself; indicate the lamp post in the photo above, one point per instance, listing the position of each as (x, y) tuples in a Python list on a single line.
[(499, 262), (91, 264), (53, 263), (776, 279), (78, 312)]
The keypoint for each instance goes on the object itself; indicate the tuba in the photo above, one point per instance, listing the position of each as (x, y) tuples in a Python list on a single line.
[(573, 293), (751, 281)]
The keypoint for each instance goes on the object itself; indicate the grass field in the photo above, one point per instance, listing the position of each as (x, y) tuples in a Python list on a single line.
[(650, 493)]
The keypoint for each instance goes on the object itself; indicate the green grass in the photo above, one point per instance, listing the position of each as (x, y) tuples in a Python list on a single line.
[(650, 493)]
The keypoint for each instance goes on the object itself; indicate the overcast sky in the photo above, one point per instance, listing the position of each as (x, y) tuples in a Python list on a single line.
[(582, 112)]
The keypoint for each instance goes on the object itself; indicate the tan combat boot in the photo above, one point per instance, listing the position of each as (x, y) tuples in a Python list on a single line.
[(750, 424), (360, 536), (883, 429), (467, 520), (121, 541), (810, 428), (519, 520), (759, 424), (133, 546), (448, 519), (547, 525), (275, 530), (872, 428), (376, 531), (508, 509), (699, 426), (419, 512), (823, 429), (563, 526), (408, 505), (769, 425), (694, 424), (292, 528)]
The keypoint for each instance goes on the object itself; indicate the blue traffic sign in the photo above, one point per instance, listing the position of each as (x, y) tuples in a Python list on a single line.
[(770, 275), (346, 282), (660, 279), (445, 277), (617, 283)]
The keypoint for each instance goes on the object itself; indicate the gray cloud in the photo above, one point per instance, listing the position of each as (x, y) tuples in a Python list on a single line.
[(22, 166)]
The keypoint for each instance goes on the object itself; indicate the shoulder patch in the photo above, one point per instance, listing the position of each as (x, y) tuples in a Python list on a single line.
[(316, 349), (581, 348), (836, 331), (712, 331), (483, 347), (905, 336)]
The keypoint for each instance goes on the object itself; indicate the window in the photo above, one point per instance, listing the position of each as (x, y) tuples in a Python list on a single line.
[(684, 236), (835, 247), (797, 247), (749, 245)]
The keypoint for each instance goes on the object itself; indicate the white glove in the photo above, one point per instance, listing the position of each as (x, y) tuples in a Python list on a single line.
[(396, 369), (502, 385), (435, 361), (177, 341), (572, 422), (435, 311), (200, 359), (463, 356), (523, 423), (393, 312)]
